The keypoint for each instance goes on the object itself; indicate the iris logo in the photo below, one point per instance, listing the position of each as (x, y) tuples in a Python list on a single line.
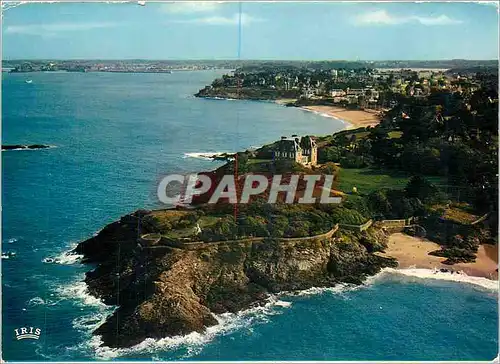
[(28, 333)]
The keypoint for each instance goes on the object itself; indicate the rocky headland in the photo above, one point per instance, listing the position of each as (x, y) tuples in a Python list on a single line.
[(163, 290), (246, 93)]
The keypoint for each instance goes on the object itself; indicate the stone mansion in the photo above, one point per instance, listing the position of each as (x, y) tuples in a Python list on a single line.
[(302, 150)]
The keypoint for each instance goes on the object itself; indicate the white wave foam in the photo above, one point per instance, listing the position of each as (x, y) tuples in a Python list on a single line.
[(11, 240), (89, 323), (337, 289), (194, 342), (230, 322), (206, 155), (67, 257), (321, 113), (446, 276), (283, 303), (35, 301), (325, 115), (220, 98), (8, 255), (79, 291)]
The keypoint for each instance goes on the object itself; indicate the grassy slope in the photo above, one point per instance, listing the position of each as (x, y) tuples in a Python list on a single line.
[(367, 180)]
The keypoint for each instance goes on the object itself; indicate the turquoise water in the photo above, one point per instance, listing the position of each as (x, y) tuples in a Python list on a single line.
[(115, 135)]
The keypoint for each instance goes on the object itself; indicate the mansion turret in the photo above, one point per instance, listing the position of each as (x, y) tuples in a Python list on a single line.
[(302, 150)]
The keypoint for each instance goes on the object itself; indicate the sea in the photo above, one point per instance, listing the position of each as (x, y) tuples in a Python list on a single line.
[(112, 137)]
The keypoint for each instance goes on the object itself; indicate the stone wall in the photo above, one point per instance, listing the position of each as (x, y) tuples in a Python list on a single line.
[(396, 225), (149, 239), (481, 219), (169, 243), (359, 228)]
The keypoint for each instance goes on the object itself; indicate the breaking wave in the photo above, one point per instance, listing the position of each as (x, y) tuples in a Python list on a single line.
[(8, 255), (38, 301), (89, 323), (66, 257), (35, 301), (193, 343), (78, 291), (325, 115), (205, 156), (461, 277)]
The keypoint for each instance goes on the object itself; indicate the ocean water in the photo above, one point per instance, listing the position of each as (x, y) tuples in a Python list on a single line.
[(114, 136)]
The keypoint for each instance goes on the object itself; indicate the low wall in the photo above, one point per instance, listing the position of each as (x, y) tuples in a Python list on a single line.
[(201, 244), (149, 239), (359, 228), (397, 225), (481, 219)]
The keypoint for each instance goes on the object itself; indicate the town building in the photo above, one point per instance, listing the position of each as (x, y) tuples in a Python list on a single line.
[(337, 92)]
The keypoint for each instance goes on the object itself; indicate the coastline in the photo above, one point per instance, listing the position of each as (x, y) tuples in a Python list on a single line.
[(352, 118), (413, 253)]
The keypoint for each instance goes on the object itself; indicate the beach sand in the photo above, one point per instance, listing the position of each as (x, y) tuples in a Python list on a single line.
[(412, 252), (357, 118)]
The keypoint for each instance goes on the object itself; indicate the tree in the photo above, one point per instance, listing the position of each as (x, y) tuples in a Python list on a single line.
[(419, 187), (277, 226), (379, 202), (329, 154)]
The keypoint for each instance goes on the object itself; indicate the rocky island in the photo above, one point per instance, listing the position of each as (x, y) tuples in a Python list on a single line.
[(23, 146)]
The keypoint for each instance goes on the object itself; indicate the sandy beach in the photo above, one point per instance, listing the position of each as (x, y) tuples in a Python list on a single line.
[(413, 252), (356, 118)]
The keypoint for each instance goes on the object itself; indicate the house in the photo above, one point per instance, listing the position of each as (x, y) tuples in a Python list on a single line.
[(300, 150), (308, 93), (355, 92), (337, 92)]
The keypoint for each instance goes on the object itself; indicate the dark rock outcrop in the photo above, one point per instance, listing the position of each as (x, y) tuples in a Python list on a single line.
[(22, 146), (166, 291), (246, 93)]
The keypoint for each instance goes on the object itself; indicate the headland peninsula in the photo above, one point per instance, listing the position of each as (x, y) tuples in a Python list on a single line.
[(418, 187)]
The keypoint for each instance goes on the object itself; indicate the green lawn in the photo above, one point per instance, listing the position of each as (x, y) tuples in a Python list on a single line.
[(204, 221), (207, 220), (367, 180), (395, 134)]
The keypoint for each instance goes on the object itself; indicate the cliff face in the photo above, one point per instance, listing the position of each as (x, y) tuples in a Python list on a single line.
[(166, 291)]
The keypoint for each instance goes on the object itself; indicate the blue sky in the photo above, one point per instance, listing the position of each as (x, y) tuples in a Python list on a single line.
[(365, 31)]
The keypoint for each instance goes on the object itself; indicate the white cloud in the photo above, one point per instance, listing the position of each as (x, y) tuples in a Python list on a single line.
[(490, 3), (438, 20), (382, 17), (222, 20), (376, 17), (54, 28), (495, 4), (190, 7)]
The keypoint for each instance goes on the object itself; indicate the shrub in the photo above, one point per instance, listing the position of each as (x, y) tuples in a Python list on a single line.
[(347, 216)]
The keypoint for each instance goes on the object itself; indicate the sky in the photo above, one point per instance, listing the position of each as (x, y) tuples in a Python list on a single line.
[(279, 30)]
